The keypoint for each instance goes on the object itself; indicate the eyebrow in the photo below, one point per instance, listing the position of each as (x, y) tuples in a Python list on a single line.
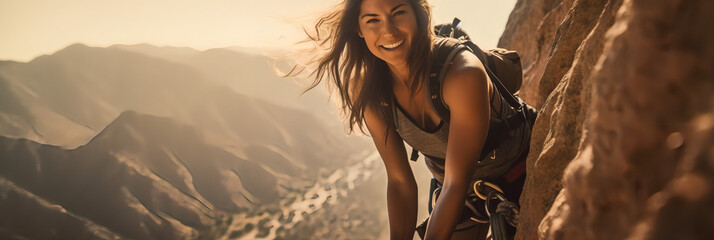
[(375, 15)]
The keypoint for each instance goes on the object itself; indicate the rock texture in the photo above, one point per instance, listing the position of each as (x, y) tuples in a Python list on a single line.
[(622, 148)]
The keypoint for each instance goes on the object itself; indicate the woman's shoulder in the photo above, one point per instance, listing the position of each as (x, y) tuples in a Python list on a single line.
[(465, 80), (465, 67)]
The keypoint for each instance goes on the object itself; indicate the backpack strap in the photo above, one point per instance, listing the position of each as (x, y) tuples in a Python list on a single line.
[(445, 49), (507, 95)]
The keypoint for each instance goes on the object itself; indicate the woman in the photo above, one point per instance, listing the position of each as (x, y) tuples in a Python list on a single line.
[(380, 54)]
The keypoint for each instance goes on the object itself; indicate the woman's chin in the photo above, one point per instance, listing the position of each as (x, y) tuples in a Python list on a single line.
[(395, 57), (396, 61)]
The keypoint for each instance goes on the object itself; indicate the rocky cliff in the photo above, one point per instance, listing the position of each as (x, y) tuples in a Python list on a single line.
[(622, 148)]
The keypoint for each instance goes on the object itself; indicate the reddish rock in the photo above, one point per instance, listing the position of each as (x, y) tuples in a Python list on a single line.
[(624, 90), (650, 173), (557, 132), (531, 30)]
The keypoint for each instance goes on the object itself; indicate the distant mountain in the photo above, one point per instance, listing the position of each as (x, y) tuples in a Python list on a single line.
[(66, 98), (124, 180), (28, 216), (165, 52), (142, 177), (247, 71), (178, 154), (118, 143)]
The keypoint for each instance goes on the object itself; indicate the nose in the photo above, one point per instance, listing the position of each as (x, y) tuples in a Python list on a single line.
[(389, 29)]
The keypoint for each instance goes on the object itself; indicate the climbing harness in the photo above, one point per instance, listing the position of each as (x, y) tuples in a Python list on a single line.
[(499, 215)]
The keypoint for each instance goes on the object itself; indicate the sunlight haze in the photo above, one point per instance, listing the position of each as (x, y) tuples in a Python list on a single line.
[(35, 27)]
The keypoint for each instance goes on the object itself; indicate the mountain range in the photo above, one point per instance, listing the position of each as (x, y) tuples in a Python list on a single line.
[(145, 142)]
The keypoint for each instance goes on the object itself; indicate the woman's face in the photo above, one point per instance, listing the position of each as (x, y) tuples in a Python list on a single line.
[(388, 28)]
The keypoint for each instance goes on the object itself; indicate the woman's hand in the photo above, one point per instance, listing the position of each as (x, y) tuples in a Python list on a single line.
[(466, 94), (401, 186)]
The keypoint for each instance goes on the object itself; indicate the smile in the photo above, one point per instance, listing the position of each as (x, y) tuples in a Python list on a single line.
[(393, 45)]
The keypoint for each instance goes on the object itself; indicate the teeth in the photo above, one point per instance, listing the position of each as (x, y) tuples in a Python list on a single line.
[(393, 45)]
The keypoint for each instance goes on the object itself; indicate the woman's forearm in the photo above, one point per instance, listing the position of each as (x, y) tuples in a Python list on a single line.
[(446, 213), (402, 208)]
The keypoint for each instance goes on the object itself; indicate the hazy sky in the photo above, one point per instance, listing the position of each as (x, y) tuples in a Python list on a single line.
[(29, 28)]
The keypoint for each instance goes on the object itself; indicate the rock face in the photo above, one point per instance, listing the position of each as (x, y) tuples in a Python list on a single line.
[(623, 144)]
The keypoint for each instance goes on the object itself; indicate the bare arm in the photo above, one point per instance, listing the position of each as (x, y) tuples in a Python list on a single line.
[(401, 186), (466, 94)]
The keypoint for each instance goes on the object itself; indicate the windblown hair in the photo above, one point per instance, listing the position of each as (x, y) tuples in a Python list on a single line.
[(363, 80)]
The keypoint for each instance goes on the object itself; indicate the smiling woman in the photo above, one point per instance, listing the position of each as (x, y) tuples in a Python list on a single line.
[(380, 55), (388, 45), (358, 49)]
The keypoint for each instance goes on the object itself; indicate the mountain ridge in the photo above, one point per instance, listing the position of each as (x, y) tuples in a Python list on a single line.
[(149, 148)]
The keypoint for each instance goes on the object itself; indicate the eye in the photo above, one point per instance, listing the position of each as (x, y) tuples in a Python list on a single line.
[(400, 12), (372, 20)]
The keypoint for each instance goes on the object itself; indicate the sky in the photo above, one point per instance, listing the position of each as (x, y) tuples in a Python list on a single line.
[(30, 28)]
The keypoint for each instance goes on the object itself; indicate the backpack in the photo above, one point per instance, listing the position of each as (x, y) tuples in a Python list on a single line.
[(504, 63), (502, 66)]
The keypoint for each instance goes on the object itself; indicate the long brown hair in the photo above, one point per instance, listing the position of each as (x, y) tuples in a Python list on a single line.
[(354, 70)]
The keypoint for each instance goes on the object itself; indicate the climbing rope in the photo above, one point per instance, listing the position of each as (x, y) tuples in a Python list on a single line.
[(505, 212), (499, 211)]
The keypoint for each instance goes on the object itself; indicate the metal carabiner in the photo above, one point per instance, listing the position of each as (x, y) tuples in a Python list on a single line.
[(478, 184)]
